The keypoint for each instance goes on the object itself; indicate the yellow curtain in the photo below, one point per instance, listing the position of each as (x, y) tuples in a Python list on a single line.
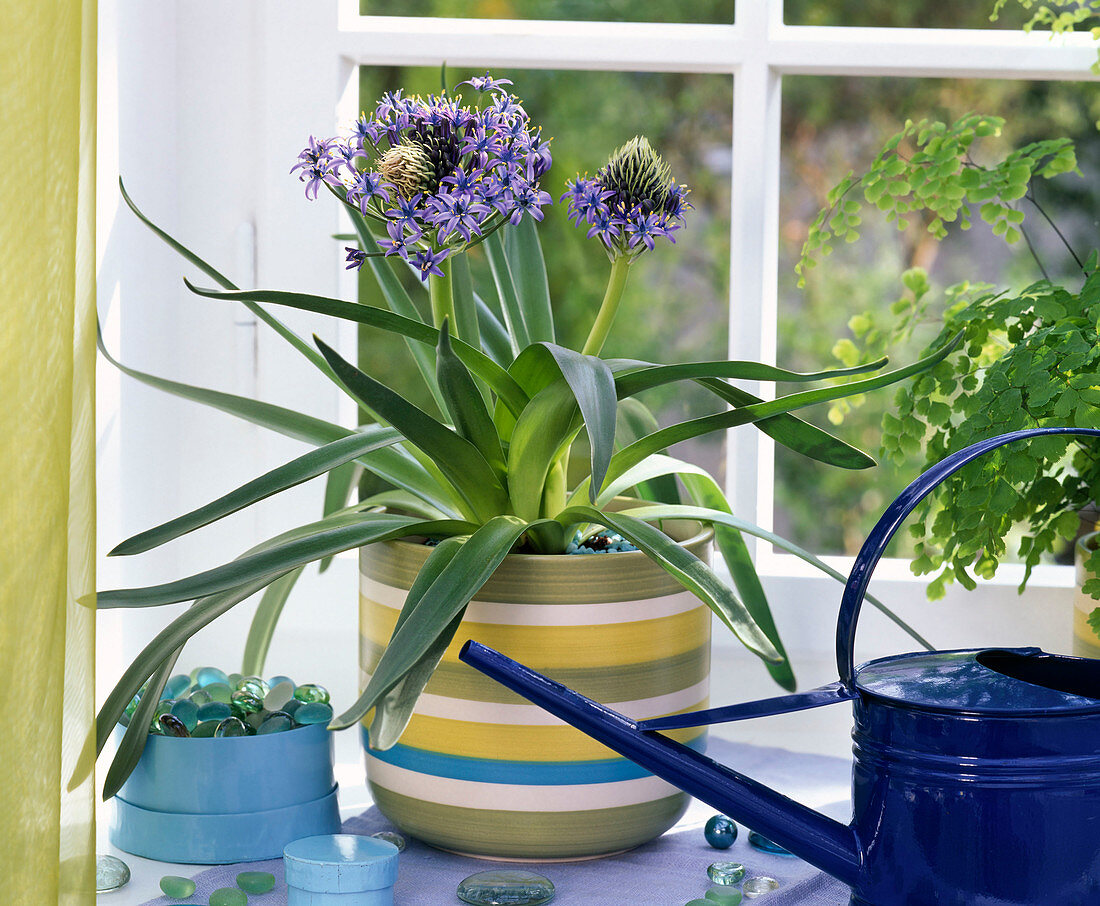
[(47, 450)]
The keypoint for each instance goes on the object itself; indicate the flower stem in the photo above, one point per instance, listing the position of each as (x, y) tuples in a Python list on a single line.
[(620, 267), (441, 291)]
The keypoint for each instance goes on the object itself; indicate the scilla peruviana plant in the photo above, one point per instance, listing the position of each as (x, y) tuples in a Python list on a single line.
[(434, 177)]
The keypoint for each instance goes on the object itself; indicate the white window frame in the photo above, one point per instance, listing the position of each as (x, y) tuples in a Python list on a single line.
[(184, 139)]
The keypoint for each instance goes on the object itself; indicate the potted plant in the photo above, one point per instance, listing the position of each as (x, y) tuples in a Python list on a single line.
[(1024, 358), (478, 506)]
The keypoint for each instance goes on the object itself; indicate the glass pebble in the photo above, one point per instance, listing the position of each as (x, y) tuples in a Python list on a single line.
[(724, 896), (162, 709), (170, 725), (176, 686), (762, 843), (110, 874), (311, 692), (275, 722), (506, 887), (231, 726), (313, 713), (200, 696), (720, 832), (219, 692), (292, 706), (205, 729), (697, 901), (256, 718), (176, 887), (244, 703), (279, 695), (274, 681), (396, 839), (726, 873), (214, 711), (253, 685), (187, 712), (233, 679), (228, 896), (132, 706), (758, 886), (256, 881), (206, 676)]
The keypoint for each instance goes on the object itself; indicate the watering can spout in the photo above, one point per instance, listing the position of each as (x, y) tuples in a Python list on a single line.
[(821, 841)]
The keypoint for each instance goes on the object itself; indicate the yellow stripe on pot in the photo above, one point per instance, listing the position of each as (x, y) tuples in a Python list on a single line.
[(544, 647), (517, 742)]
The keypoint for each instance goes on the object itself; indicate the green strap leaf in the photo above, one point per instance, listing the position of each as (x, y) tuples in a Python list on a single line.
[(669, 511), (394, 710), (466, 320), (339, 484), (466, 406), (278, 326), (688, 570), (441, 602), (634, 421), (494, 338), (541, 436), (458, 459), (666, 437), (262, 628), (474, 359), (279, 558), (315, 462), (518, 333), (528, 269)]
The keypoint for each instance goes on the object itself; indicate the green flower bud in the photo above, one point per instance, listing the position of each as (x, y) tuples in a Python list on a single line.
[(409, 167), (637, 174)]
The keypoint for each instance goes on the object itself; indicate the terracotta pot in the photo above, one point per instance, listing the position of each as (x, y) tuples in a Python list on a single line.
[(479, 770)]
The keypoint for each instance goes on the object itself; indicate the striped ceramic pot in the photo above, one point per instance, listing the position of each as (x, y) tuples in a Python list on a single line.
[(481, 771)]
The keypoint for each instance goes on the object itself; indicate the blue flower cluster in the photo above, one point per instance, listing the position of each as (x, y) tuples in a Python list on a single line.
[(630, 202), (436, 175)]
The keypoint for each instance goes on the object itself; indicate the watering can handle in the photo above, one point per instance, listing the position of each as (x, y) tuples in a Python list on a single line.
[(890, 522)]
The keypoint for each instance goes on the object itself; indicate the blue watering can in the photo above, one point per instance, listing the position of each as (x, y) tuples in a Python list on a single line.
[(976, 778)]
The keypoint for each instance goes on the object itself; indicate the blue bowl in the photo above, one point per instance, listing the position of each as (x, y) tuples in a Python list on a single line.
[(232, 799)]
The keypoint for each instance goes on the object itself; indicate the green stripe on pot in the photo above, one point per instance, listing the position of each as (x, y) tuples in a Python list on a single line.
[(609, 684), (532, 835)]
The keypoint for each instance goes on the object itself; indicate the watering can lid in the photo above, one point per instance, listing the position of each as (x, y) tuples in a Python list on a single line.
[(985, 681)]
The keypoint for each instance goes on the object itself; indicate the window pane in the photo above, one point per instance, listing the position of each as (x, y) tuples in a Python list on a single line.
[(676, 302), (708, 11), (909, 14), (833, 125)]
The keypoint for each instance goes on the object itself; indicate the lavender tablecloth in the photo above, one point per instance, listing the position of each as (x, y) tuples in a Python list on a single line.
[(667, 872)]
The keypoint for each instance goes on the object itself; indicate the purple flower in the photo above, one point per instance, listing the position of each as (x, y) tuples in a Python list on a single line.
[(315, 165), (486, 83), (355, 258), (428, 261), (529, 201), (367, 186)]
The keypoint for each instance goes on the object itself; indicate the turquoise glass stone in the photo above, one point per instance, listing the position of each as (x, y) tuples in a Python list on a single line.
[(187, 712), (200, 696), (390, 837), (170, 725), (256, 718), (275, 722), (253, 685), (219, 692), (279, 695), (245, 703), (204, 676), (275, 680), (292, 706), (214, 711), (311, 692), (233, 679), (205, 729), (132, 706), (176, 887), (313, 713), (762, 843), (162, 709), (720, 832), (110, 874), (256, 881), (506, 887), (699, 902), (726, 873), (228, 896), (724, 896), (176, 686), (755, 887), (231, 726)]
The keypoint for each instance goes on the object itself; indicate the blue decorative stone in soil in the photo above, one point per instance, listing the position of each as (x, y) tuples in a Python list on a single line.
[(313, 713), (506, 887), (720, 832), (762, 843)]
